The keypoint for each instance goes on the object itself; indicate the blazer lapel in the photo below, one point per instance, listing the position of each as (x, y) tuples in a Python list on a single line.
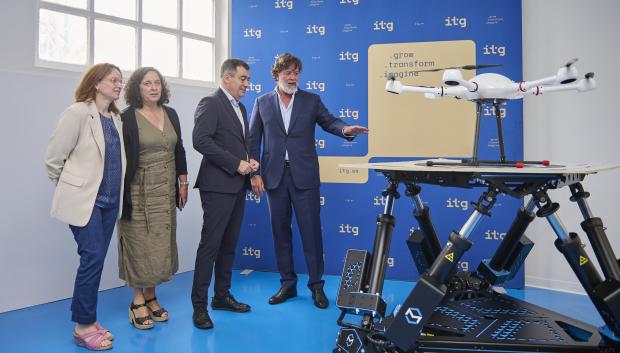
[(96, 128), (231, 113), (276, 106), (296, 106)]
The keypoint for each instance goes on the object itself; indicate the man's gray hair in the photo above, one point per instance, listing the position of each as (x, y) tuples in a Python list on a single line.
[(229, 66)]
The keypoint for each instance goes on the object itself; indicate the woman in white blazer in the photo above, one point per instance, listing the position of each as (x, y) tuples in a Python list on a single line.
[(86, 161)]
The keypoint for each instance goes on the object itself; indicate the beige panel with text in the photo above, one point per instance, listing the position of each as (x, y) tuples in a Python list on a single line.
[(407, 124)]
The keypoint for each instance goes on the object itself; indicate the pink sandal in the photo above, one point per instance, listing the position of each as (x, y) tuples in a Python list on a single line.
[(94, 343), (100, 328)]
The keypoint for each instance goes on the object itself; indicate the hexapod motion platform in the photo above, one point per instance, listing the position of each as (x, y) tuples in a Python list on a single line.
[(460, 312)]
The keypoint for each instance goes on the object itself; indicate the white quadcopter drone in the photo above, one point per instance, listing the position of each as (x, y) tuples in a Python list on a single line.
[(495, 89)]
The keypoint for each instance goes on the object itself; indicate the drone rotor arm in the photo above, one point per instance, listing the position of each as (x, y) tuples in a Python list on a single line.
[(525, 86), (421, 89), (455, 91), (437, 92), (583, 85)]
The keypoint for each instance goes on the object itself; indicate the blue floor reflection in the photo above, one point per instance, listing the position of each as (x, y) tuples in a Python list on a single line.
[(293, 327)]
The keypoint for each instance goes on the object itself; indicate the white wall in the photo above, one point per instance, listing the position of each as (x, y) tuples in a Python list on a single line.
[(580, 127), (37, 254)]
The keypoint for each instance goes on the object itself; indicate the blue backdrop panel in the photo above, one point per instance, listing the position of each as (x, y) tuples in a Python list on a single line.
[(332, 38)]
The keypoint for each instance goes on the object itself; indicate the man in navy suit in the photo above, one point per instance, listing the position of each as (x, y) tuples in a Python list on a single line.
[(283, 121), (221, 135)]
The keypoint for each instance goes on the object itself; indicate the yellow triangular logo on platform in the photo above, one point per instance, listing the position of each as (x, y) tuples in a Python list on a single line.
[(450, 257), (582, 260)]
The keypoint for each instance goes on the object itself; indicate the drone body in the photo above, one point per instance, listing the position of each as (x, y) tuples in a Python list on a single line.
[(495, 89), (490, 86)]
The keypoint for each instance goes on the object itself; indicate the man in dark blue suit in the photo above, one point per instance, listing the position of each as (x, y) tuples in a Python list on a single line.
[(284, 121), (221, 135)]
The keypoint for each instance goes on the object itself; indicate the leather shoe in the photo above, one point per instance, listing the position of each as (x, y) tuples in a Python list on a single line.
[(282, 295), (320, 300), (201, 318), (229, 303)]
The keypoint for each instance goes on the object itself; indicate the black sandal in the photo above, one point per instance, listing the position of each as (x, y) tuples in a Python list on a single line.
[(157, 315), (139, 322)]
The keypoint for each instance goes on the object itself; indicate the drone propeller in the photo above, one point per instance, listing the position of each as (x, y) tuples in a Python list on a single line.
[(479, 66), (571, 62), (464, 67)]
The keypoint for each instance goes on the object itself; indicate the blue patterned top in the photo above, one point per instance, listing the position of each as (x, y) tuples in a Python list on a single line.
[(110, 188)]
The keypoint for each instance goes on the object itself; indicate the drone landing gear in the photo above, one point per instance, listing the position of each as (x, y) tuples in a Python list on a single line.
[(474, 161)]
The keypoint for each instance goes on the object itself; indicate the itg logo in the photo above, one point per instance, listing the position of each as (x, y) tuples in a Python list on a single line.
[(322, 200), (349, 2), (315, 29), (346, 113), (379, 200), (315, 86), (492, 234), (349, 229), (453, 202), (492, 49), (349, 56), (249, 251), (255, 87), (383, 26), (252, 33), (250, 196), (455, 22), (490, 111), (319, 143), (283, 4)]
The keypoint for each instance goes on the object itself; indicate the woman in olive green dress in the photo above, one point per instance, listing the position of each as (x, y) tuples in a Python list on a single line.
[(155, 184)]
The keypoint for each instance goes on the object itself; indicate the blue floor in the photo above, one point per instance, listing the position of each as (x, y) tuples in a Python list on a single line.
[(294, 326)]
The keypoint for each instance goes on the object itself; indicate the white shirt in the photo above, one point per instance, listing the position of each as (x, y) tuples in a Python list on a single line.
[(235, 105), (286, 115)]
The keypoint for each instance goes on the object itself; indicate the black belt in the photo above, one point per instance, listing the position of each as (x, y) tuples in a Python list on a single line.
[(287, 164)]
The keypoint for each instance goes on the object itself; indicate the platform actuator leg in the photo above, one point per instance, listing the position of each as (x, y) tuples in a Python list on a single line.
[(569, 244), (423, 243), (594, 228), (513, 249), (606, 295), (383, 238), (361, 285), (431, 288)]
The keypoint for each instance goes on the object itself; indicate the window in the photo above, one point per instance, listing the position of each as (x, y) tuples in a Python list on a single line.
[(175, 36)]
